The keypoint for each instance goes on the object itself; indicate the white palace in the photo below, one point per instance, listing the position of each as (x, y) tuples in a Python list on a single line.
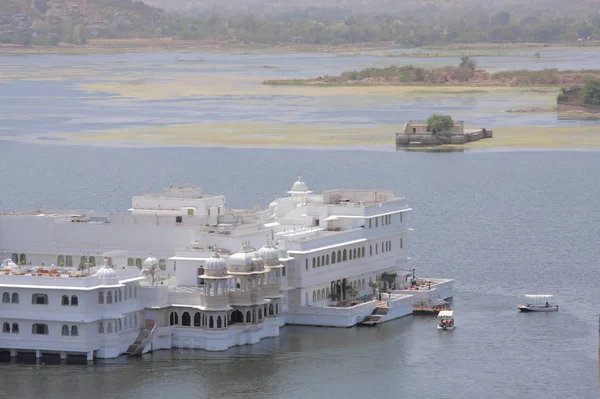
[(180, 270)]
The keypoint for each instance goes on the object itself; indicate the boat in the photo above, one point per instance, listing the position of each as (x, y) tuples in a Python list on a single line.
[(445, 320), (538, 303)]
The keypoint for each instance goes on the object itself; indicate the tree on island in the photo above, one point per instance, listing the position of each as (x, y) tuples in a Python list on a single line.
[(467, 62), (591, 93), (440, 123)]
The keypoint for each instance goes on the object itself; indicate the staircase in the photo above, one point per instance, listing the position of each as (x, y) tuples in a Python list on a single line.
[(143, 339), (377, 315)]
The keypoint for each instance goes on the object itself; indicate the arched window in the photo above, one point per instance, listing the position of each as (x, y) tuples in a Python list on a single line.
[(318, 295), (39, 299), (23, 259), (363, 252), (327, 259), (69, 261), (15, 258), (162, 264), (92, 260), (323, 294), (15, 328), (74, 300), (65, 330), (314, 296), (135, 291), (327, 293), (197, 319), (344, 255), (101, 328), (109, 329), (248, 317), (61, 260), (354, 253), (276, 308), (371, 250), (119, 294), (314, 262), (174, 319), (130, 262), (109, 298), (15, 297), (333, 257), (39, 329), (6, 297), (100, 297), (270, 309), (306, 264), (219, 322), (211, 322), (237, 317), (185, 319), (259, 314), (138, 263), (74, 331), (322, 260), (65, 300), (120, 325), (318, 261), (5, 327)]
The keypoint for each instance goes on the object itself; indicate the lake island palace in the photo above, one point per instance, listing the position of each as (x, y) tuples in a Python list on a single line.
[(180, 270)]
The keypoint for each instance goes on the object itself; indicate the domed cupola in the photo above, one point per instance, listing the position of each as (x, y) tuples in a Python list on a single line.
[(242, 261), (150, 262), (107, 273), (215, 266), (269, 254), (299, 187)]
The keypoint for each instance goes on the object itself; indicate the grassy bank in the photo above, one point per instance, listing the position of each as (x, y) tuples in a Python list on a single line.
[(273, 135)]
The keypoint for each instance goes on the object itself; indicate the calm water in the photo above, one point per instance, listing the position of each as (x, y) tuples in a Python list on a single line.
[(41, 95), (500, 223)]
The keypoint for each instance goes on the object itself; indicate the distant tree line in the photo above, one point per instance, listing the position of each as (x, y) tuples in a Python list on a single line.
[(328, 26)]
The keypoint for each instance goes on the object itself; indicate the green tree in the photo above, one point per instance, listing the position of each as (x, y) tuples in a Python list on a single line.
[(591, 93), (467, 62), (440, 123)]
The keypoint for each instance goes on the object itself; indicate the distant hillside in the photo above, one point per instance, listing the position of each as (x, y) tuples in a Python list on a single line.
[(51, 21)]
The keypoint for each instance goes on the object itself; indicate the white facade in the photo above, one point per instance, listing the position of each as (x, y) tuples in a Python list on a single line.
[(205, 286)]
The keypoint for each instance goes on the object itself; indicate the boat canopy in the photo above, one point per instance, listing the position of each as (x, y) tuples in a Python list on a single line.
[(446, 314), (539, 296)]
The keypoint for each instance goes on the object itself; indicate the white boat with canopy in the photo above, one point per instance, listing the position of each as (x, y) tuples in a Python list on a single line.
[(538, 303), (445, 320)]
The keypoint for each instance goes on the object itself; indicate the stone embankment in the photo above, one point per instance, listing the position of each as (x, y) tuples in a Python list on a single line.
[(430, 139)]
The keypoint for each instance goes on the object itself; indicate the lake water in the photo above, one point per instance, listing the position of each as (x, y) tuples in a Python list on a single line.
[(42, 95), (501, 223)]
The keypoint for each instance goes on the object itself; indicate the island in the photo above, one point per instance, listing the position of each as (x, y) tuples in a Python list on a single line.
[(438, 130), (584, 98), (464, 74)]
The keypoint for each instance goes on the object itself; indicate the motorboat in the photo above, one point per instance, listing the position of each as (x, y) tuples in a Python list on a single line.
[(538, 303), (445, 320)]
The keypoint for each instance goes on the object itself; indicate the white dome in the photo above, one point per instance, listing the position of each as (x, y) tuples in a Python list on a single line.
[(215, 262), (150, 261), (242, 260), (269, 254), (299, 186), (106, 272)]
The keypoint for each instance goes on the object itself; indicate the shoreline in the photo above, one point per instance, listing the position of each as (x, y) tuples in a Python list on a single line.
[(110, 46)]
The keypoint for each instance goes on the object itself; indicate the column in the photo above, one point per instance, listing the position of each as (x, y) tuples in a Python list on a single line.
[(38, 354), (13, 353), (90, 356), (63, 355)]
